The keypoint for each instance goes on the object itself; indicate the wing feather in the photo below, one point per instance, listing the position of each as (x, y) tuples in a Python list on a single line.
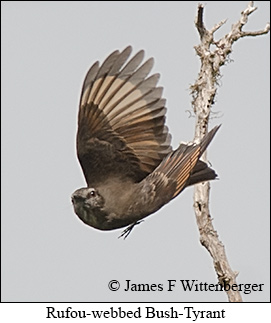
[(180, 164), (121, 118)]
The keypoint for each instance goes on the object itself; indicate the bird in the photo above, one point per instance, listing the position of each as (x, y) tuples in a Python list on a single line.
[(124, 146)]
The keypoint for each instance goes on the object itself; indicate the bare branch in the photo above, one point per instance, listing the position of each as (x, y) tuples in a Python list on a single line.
[(199, 21), (237, 32), (203, 94), (256, 33), (217, 26)]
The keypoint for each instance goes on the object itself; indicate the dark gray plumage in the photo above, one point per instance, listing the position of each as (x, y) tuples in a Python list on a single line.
[(124, 147)]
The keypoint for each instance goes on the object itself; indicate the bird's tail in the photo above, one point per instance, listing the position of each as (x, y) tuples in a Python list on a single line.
[(184, 167), (201, 173)]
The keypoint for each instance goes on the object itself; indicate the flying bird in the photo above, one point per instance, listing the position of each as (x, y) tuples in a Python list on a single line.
[(124, 146)]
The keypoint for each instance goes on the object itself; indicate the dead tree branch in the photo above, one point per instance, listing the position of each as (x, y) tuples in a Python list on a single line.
[(203, 94)]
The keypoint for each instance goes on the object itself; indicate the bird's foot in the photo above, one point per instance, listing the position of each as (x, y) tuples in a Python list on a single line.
[(128, 230)]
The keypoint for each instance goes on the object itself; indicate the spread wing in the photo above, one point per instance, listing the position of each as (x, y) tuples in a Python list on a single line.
[(121, 120), (179, 169), (183, 163)]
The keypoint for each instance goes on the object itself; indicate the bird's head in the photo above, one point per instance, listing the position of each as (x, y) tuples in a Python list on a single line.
[(87, 198)]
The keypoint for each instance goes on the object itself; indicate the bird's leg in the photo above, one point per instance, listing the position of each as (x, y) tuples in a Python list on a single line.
[(128, 230)]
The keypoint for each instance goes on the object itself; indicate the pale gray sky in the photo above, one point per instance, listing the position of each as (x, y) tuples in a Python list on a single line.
[(48, 254)]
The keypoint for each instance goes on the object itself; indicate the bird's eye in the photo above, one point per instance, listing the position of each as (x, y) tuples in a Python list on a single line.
[(92, 193)]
